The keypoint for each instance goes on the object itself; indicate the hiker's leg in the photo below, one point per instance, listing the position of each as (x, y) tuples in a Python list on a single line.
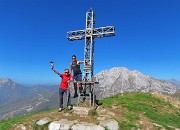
[(61, 92)]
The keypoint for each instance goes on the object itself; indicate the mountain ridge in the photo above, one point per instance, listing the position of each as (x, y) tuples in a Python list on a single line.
[(8, 82), (112, 81), (120, 79)]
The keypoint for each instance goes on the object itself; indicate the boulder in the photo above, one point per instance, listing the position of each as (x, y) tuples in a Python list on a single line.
[(20, 127), (43, 121), (82, 111), (110, 124), (87, 126), (63, 124)]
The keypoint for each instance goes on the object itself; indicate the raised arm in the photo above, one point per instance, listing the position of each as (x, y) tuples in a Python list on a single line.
[(70, 70), (56, 71), (81, 62)]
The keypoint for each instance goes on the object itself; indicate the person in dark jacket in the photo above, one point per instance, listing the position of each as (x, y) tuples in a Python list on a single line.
[(77, 74)]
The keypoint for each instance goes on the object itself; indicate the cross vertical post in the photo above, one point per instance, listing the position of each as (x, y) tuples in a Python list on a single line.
[(89, 46)]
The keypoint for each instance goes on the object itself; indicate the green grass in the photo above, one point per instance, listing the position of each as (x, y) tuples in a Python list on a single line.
[(131, 116), (9, 123), (155, 109), (124, 125)]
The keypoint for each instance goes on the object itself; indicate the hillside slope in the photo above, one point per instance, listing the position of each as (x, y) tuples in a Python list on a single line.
[(131, 110)]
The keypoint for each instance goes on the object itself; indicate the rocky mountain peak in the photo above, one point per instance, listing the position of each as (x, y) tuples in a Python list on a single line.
[(120, 80), (7, 82), (175, 82)]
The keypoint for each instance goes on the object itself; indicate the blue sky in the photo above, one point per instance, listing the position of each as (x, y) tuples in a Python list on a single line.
[(33, 32)]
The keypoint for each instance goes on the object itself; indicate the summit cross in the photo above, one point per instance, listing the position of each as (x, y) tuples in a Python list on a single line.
[(89, 34)]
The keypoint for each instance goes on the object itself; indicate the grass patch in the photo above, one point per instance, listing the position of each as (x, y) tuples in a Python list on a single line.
[(155, 109), (92, 113), (9, 123), (131, 116), (127, 126)]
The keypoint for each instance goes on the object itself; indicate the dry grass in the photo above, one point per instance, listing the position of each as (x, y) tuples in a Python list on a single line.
[(168, 99)]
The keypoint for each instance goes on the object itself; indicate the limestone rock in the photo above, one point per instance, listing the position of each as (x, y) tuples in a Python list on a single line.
[(104, 113), (87, 126), (20, 127), (63, 124), (110, 124), (43, 121), (82, 111)]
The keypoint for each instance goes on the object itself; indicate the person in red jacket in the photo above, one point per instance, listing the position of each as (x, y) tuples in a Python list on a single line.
[(63, 88)]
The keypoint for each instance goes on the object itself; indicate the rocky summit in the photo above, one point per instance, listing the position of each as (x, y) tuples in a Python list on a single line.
[(120, 80), (127, 111)]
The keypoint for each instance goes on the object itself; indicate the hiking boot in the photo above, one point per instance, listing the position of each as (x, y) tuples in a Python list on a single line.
[(75, 95), (98, 103), (82, 94), (69, 107), (60, 109), (80, 89)]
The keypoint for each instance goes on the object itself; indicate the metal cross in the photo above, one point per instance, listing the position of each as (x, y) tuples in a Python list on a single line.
[(89, 34)]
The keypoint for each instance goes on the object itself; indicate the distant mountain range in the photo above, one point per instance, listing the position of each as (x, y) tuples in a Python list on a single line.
[(16, 99), (10, 91), (175, 82), (120, 80)]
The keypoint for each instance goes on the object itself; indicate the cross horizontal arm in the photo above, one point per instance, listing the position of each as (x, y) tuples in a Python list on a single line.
[(76, 35), (107, 31)]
